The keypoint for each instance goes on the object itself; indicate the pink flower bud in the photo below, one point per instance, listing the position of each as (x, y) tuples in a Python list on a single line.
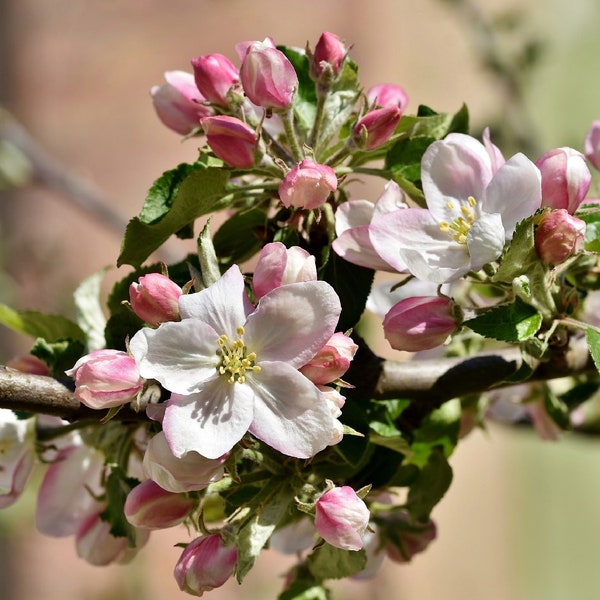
[(307, 185), (328, 56), (565, 178), (205, 564), (215, 75), (387, 94), (278, 265), (331, 361), (155, 299), (376, 127), (28, 363), (591, 144), (419, 323), (106, 378), (341, 518), (231, 140), (558, 236), (149, 506), (268, 77), (178, 103)]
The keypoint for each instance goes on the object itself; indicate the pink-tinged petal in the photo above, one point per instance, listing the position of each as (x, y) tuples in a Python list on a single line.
[(496, 157), (420, 244), (180, 355), (353, 213), (515, 192), (452, 170), (65, 497), (391, 199), (290, 414), (210, 422), (19, 475), (354, 245), (222, 305), (485, 240), (293, 322)]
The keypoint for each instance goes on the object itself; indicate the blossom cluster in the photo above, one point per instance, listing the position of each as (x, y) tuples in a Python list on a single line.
[(234, 387)]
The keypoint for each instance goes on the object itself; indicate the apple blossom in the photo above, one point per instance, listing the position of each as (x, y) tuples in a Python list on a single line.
[(234, 142), (106, 378), (215, 75), (471, 211), (268, 77), (419, 323), (566, 178), (149, 506), (233, 369), (278, 265), (184, 474), (154, 298), (591, 144), (178, 103), (342, 518), (352, 226), (307, 185), (558, 236), (205, 564), (17, 455)]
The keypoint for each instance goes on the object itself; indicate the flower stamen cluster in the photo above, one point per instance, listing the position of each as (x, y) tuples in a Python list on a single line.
[(461, 225), (236, 358)]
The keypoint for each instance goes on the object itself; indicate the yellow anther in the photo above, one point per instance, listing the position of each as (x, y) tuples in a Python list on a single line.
[(472, 202), (235, 358)]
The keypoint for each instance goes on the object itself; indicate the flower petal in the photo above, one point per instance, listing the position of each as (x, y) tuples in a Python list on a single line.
[(293, 322), (221, 305), (290, 414), (180, 355), (515, 191), (211, 421), (485, 240)]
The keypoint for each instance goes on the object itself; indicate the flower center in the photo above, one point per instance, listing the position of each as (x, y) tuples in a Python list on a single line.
[(236, 359), (460, 226)]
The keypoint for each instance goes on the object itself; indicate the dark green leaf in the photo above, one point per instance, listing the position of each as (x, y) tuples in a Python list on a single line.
[(60, 355), (240, 237), (118, 485), (514, 322), (305, 106), (200, 193)]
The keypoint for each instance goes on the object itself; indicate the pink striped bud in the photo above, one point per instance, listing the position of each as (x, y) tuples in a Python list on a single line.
[(149, 506), (106, 378), (328, 57), (155, 299), (205, 564), (215, 75), (342, 518), (591, 144), (331, 361), (558, 236), (419, 323), (231, 140), (178, 103), (307, 185), (376, 127), (387, 94), (268, 77), (566, 178), (278, 265)]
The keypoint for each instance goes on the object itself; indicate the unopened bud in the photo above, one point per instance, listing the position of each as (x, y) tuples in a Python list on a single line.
[(558, 236), (307, 185)]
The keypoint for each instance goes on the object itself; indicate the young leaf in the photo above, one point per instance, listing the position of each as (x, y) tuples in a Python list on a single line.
[(514, 322), (90, 316), (200, 193), (592, 336), (328, 562), (240, 237)]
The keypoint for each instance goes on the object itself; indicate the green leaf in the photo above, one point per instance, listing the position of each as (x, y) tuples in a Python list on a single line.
[(592, 230), (305, 105), (429, 488), (200, 193), (301, 589), (328, 562), (209, 266), (36, 324), (514, 322), (90, 316), (240, 237), (256, 531), (60, 355), (118, 485), (592, 335), (521, 256), (352, 284)]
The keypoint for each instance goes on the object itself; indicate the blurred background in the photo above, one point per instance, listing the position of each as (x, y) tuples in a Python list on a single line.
[(522, 518)]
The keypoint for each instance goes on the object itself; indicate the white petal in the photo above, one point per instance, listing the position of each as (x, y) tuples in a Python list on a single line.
[(221, 305), (485, 240), (353, 214), (293, 322), (291, 414), (515, 191), (391, 199), (180, 355), (354, 245), (211, 421)]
